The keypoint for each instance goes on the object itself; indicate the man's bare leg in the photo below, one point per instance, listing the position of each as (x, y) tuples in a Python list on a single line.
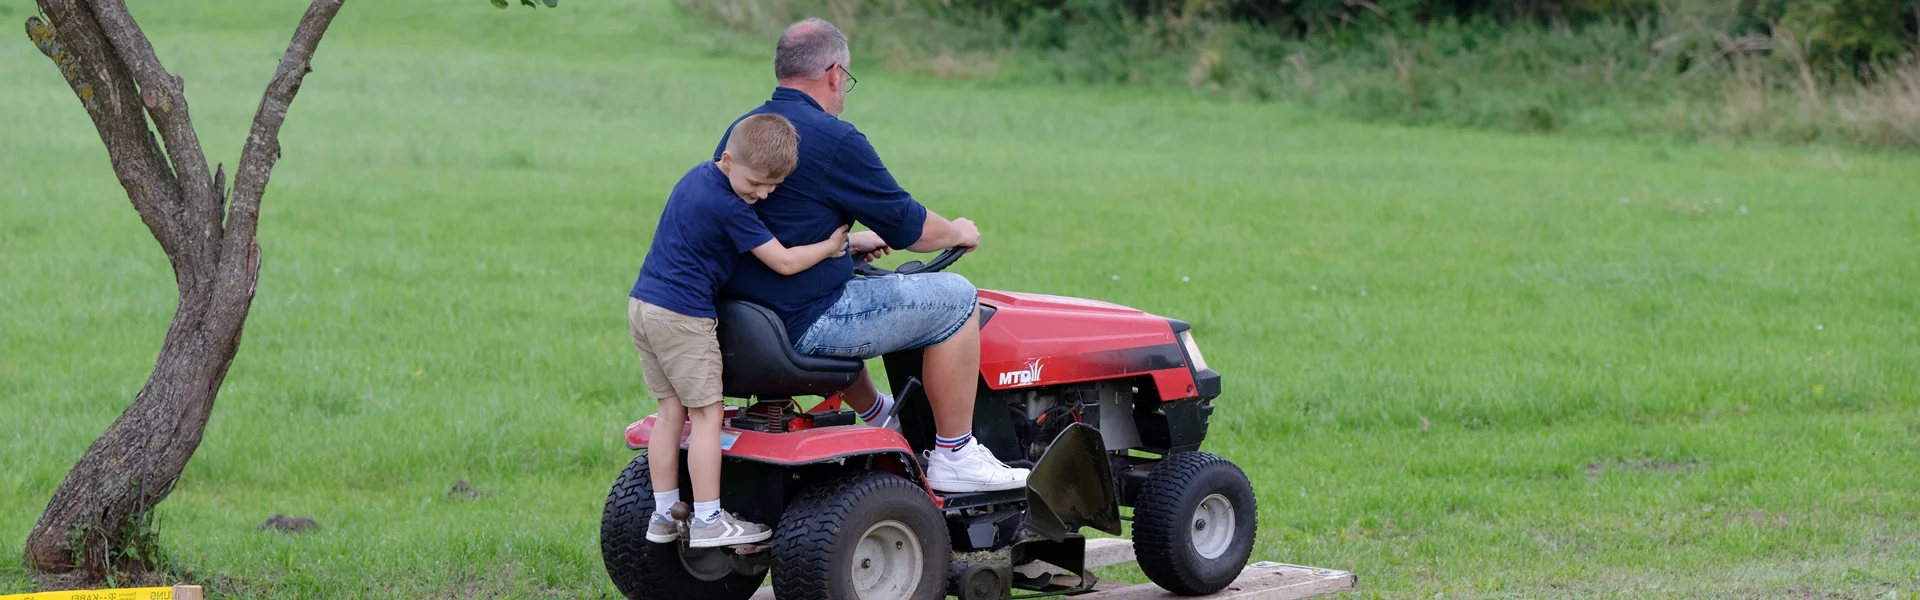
[(861, 395), (960, 463), (952, 371)]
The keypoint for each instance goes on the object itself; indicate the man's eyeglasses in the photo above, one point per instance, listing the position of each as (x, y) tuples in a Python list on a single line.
[(843, 69)]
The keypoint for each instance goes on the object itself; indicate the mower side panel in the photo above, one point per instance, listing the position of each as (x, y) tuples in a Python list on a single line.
[(807, 446), (1037, 340)]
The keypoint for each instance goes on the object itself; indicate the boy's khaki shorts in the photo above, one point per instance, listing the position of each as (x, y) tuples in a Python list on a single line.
[(680, 355)]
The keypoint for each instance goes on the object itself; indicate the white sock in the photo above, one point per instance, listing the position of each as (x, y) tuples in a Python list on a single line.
[(879, 408), (662, 501), (707, 512), (953, 454)]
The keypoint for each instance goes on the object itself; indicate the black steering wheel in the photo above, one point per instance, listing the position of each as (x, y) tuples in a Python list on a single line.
[(945, 259)]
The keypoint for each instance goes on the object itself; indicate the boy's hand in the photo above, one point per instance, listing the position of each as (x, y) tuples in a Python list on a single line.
[(839, 239)]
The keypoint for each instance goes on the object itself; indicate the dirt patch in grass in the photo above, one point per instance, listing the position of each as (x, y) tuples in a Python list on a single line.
[(280, 522), (464, 491), (1594, 469)]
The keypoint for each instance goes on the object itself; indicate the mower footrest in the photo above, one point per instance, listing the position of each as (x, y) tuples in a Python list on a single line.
[(956, 503)]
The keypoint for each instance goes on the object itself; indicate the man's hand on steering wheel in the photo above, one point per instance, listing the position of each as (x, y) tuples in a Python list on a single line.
[(969, 234), (866, 246)]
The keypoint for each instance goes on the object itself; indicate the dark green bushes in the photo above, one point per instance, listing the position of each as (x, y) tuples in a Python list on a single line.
[(1832, 71)]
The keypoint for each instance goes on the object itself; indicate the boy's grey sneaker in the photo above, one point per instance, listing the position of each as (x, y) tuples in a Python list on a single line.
[(662, 529), (728, 530)]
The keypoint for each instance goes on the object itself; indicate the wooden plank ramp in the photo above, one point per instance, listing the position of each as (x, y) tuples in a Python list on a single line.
[(1260, 580)]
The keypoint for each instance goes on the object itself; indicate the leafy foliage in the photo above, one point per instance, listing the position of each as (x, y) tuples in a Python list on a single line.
[(1852, 30), (1666, 69), (1855, 32)]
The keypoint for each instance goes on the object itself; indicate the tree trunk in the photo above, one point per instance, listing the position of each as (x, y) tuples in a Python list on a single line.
[(97, 519)]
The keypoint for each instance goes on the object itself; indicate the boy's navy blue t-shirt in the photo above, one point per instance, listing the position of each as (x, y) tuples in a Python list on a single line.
[(838, 181), (703, 234)]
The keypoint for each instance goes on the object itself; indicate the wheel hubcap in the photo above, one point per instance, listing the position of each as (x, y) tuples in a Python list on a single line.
[(1212, 526), (886, 562)]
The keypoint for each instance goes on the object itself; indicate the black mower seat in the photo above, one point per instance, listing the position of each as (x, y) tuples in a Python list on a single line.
[(757, 359)]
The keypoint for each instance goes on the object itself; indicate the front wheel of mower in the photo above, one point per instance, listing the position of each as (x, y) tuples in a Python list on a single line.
[(643, 570), (1193, 524), (866, 536)]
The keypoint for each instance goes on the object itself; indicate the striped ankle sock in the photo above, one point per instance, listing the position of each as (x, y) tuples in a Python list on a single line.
[(953, 444), (879, 406)]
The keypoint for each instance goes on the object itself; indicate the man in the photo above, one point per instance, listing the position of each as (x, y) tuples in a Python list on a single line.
[(826, 310)]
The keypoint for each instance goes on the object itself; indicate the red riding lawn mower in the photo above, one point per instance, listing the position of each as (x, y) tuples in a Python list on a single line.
[(1108, 405)]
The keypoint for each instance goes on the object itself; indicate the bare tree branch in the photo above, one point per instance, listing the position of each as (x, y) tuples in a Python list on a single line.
[(238, 250), (85, 58), (164, 96)]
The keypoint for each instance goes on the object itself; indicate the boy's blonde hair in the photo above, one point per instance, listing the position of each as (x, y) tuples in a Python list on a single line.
[(766, 143)]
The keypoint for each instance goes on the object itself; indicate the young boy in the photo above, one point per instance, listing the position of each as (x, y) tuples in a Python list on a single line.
[(706, 229)]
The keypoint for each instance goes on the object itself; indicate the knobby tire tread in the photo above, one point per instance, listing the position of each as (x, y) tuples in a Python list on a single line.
[(1160, 519)]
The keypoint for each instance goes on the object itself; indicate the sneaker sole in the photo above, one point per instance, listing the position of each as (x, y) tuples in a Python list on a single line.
[(731, 541), (973, 486), (659, 539)]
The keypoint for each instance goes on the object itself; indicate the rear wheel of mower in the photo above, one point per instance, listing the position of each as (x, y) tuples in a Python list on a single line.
[(643, 570), (862, 536), (1193, 525)]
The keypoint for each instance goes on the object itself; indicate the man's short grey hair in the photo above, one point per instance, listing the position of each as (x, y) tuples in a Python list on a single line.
[(807, 48)]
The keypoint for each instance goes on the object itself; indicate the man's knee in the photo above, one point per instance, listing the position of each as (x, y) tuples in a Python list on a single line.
[(957, 292), (951, 285)]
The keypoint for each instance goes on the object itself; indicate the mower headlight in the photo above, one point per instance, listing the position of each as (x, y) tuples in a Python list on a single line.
[(1193, 351)]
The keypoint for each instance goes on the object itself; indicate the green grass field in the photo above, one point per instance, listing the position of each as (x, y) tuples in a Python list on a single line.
[(1459, 364)]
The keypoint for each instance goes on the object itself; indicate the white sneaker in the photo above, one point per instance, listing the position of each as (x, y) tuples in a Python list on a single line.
[(972, 468)]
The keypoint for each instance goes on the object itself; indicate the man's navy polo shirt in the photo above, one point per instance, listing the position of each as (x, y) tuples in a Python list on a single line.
[(838, 181)]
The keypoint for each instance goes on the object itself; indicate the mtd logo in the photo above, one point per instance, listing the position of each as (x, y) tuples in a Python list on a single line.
[(1021, 377)]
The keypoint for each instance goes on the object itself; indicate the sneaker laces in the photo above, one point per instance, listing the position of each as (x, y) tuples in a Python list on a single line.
[(977, 448)]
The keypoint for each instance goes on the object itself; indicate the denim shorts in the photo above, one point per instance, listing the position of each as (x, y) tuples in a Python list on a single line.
[(877, 315)]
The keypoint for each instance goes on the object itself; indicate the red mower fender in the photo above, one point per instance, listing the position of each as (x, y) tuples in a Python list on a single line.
[(803, 447)]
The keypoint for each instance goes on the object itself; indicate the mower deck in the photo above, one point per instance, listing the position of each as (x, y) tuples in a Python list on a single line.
[(1260, 580)]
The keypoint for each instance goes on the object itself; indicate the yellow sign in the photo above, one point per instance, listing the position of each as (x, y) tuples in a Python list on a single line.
[(151, 593)]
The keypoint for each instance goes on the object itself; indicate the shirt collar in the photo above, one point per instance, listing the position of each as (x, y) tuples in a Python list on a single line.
[(716, 177), (787, 94)]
